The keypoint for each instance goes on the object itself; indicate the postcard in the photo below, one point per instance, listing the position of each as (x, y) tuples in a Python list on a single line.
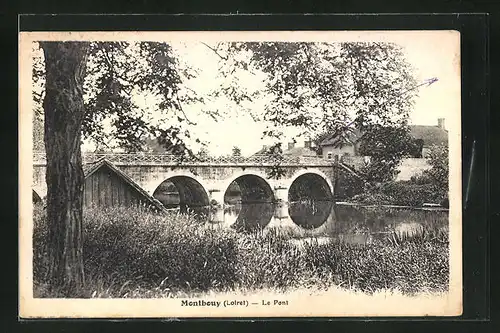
[(239, 174)]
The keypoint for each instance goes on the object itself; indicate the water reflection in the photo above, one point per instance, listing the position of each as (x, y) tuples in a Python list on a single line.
[(303, 220), (312, 214), (295, 218), (252, 217)]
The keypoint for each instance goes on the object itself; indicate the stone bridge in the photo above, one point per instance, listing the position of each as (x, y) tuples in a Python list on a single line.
[(200, 182)]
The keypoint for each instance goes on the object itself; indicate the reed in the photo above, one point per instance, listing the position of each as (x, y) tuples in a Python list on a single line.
[(132, 253)]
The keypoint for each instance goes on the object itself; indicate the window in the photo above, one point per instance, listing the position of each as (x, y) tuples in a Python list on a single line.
[(329, 156)]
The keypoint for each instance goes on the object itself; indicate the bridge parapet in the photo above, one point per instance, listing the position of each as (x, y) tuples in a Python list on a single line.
[(174, 160)]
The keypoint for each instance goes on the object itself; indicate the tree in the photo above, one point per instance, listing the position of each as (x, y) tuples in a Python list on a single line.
[(65, 65), (318, 139), (326, 87), (330, 85), (83, 85), (203, 153), (416, 148), (313, 86), (386, 146), (38, 129), (439, 171), (236, 151)]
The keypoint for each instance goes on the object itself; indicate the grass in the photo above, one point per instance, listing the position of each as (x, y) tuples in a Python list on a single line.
[(131, 253)]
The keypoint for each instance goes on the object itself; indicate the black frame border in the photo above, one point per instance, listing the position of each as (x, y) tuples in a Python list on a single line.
[(474, 29)]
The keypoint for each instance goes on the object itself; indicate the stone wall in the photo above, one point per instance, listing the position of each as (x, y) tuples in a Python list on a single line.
[(412, 167)]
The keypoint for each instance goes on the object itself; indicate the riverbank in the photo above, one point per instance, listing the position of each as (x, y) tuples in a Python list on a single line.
[(132, 253), (430, 207)]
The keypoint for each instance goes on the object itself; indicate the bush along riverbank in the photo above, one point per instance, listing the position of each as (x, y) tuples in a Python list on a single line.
[(429, 186), (402, 193), (132, 253)]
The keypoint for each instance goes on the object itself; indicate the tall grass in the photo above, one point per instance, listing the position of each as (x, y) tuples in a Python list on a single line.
[(133, 253)]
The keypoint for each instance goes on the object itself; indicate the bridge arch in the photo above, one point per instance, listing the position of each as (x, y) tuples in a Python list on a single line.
[(310, 183), (253, 185), (192, 192)]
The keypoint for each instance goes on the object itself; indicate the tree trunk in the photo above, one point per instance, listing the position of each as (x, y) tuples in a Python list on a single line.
[(65, 64)]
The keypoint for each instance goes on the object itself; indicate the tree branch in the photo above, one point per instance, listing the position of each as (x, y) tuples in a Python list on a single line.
[(215, 51), (189, 122)]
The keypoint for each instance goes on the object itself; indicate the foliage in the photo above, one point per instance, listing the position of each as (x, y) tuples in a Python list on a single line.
[(116, 71), (431, 186), (133, 253), (236, 151), (325, 87), (348, 185), (329, 86), (402, 193), (275, 152), (438, 174), (38, 71), (315, 86), (203, 153), (409, 266), (138, 246), (386, 146)]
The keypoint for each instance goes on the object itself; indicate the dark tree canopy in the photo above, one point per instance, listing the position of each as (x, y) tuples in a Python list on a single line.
[(316, 87), (334, 88), (116, 71), (328, 86), (386, 145)]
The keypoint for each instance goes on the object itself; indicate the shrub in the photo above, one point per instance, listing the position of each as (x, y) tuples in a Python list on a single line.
[(348, 185), (437, 175), (402, 193)]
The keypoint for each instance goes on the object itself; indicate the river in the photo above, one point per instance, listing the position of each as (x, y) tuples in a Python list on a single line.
[(324, 219)]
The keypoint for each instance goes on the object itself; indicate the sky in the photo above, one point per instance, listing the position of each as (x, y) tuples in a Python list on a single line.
[(432, 54), (430, 58)]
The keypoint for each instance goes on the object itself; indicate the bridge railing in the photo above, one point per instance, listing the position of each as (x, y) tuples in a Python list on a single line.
[(168, 159)]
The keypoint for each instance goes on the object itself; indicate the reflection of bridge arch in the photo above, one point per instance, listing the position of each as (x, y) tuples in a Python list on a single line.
[(315, 184), (314, 226), (253, 217), (253, 185), (311, 216), (192, 192)]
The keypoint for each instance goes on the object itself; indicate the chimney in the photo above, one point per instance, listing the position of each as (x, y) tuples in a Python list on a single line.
[(291, 145), (441, 123), (307, 144)]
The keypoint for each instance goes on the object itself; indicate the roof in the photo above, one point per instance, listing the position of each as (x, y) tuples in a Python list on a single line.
[(90, 169), (300, 151), (262, 151), (432, 135), (350, 137)]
